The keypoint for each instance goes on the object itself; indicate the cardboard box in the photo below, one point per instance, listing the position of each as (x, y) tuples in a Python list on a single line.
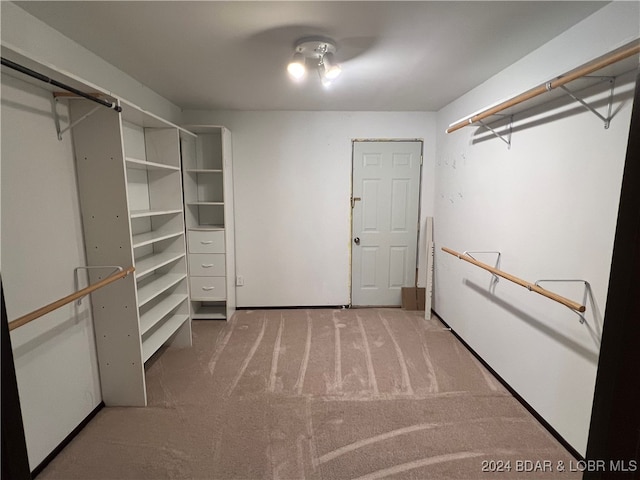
[(413, 298)]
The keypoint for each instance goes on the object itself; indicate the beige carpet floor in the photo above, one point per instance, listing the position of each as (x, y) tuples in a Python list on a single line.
[(316, 394)]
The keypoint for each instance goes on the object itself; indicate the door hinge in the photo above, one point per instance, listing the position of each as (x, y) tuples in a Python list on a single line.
[(421, 159)]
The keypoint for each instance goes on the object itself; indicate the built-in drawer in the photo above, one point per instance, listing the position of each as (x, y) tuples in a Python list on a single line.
[(206, 264), (206, 242), (208, 288)]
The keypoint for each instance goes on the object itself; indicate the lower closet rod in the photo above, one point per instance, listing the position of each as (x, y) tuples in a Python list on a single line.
[(529, 286), (45, 79), (29, 317)]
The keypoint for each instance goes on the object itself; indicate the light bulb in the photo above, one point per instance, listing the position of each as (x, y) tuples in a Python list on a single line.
[(331, 69), (296, 67)]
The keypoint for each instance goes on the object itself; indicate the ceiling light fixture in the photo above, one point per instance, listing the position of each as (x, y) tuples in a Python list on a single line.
[(318, 53)]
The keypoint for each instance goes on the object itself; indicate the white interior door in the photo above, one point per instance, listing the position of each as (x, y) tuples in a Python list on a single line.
[(386, 192)]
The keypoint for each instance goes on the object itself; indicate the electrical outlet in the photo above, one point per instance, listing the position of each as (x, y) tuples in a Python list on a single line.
[(239, 281)]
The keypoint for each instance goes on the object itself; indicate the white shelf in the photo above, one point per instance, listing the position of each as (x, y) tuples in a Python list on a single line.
[(148, 238), (144, 165), (150, 318), (205, 203), (206, 228), (149, 263), (208, 299), (151, 213), (203, 170), (157, 284), (151, 344), (207, 312)]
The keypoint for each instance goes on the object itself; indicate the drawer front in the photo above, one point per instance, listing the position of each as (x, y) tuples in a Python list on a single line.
[(206, 264), (206, 242), (208, 288)]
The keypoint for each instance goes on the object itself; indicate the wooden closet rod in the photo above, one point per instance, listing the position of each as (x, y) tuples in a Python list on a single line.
[(45, 79), (529, 286), (29, 317), (545, 87)]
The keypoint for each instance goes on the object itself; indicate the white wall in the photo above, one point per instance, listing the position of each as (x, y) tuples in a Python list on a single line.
[(549, 204), (292, 179), (42, 242), (26, 35)]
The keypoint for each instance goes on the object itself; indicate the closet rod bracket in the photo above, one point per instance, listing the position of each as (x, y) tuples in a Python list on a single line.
[(60, 130), (506, 139), (469, 252), (76, 280), (606, 120), (571, 280)]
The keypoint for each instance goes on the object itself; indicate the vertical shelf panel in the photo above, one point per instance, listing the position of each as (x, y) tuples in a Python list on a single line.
[(229, 222), (107, 231)]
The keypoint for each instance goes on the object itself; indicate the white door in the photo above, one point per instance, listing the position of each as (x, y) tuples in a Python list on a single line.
[(386, 192)]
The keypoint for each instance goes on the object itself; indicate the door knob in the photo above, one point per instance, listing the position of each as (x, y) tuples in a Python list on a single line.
[(356, 240)]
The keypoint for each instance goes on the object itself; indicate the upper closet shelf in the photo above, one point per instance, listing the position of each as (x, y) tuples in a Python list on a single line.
[(607, 68)]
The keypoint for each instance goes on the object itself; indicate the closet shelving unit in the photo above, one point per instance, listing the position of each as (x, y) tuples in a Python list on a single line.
[(208, 197), (130, 183), (602, 69), (152, 160)]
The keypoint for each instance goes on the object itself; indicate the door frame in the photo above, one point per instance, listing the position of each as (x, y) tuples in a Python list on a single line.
[(382, 140)]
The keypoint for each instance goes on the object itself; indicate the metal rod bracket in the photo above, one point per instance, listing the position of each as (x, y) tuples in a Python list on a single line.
[(606, 120), (506, 139), (76, 280), (572, 280), (71, 125), (468, 252)]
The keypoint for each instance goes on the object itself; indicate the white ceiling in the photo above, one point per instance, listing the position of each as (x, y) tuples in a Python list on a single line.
[(403, 56)]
